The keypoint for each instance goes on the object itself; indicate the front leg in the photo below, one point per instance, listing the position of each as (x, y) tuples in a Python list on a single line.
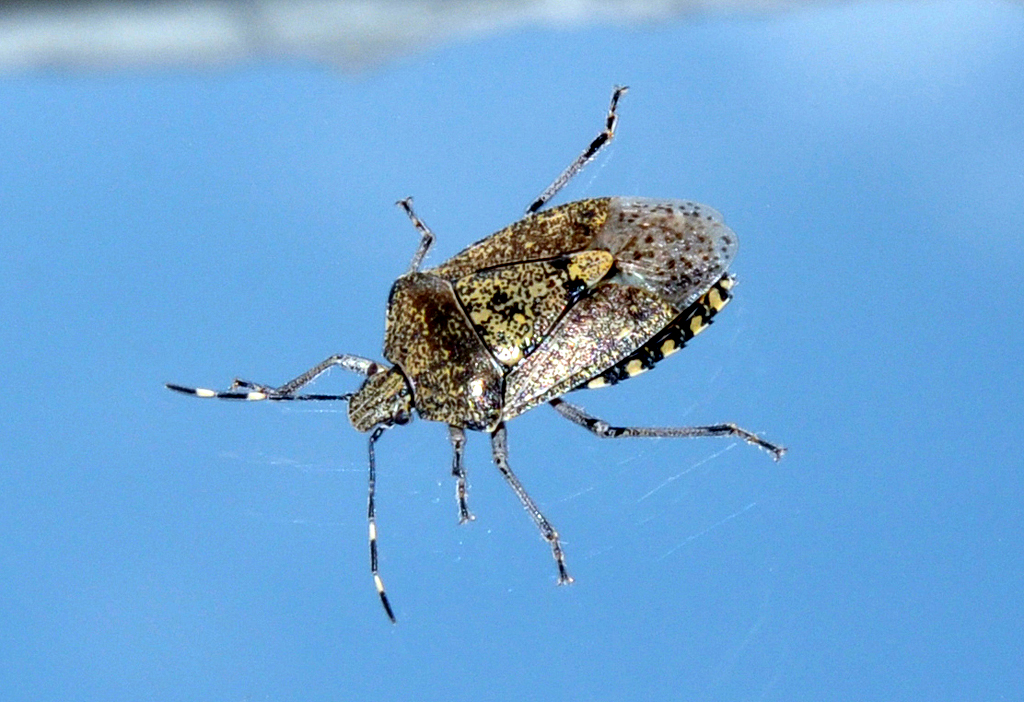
[(426, 236)]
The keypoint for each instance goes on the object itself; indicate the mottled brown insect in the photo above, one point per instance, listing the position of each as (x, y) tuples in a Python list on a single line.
[(582, 295)]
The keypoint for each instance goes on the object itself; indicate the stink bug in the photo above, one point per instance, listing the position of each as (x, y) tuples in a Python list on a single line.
[(581, 295)]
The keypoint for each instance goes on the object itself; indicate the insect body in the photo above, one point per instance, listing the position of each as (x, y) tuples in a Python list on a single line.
[(581, 295)]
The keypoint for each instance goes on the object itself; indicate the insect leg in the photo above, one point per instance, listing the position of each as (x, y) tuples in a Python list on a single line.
[(577, 415), (426, 236), (458, 439), (499, 446), (245, 390), (371, 516), (599, 142)]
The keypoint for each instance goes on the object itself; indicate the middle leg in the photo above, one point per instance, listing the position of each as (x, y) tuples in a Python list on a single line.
[(458, 439), (499, 446)]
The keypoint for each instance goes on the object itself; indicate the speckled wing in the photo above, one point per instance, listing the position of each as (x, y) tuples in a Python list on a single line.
[(667, 255), (559, 230), (513, 307), (595, 334), (672, 248)]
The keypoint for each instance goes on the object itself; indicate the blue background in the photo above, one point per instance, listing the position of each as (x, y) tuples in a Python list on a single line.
[(191, 226)]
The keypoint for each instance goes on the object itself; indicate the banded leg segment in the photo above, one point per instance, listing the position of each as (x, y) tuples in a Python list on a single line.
[(599, 142), (577, 415), (458, 438), (499, 446), (245, 390), (426, 236), (371, 517)]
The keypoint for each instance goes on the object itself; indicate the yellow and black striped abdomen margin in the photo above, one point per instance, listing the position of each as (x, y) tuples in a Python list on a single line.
[(690, 322)]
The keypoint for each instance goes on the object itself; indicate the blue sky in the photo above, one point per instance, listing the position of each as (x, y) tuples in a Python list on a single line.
[(192, 227)]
